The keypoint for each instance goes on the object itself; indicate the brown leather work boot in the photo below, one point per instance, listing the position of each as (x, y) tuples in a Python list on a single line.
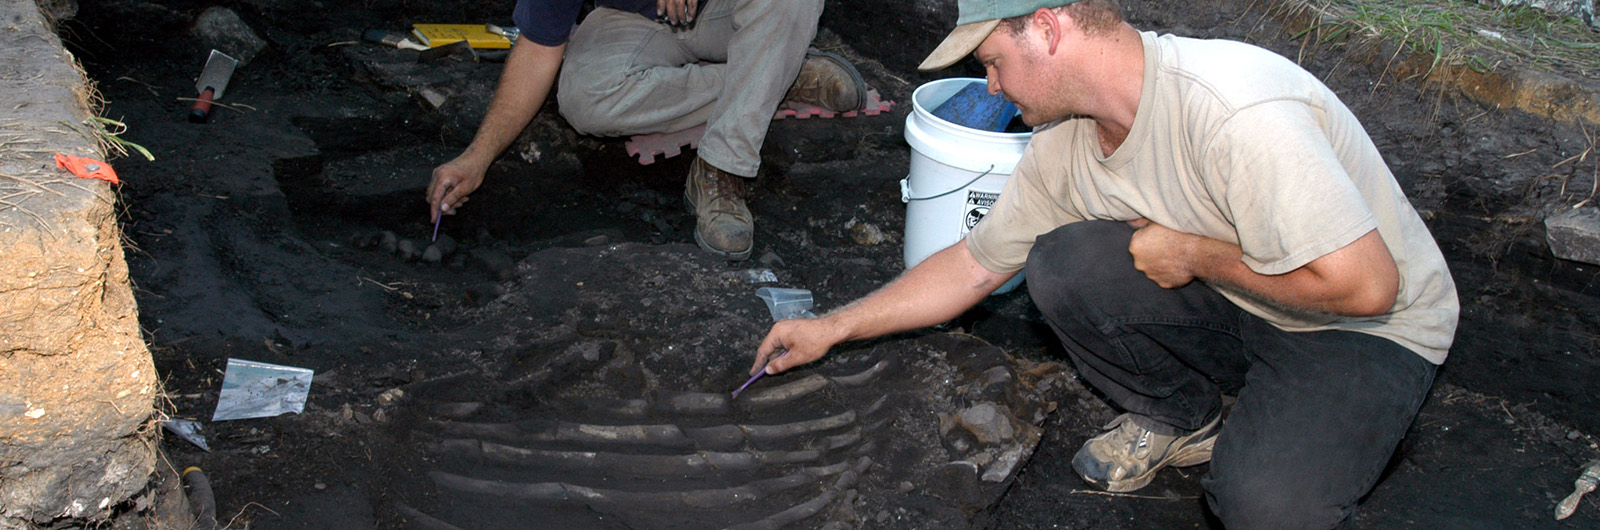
[(723, 225), (828, 81)]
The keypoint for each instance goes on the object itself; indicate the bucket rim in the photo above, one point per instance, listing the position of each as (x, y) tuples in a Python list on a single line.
[(923, 112)]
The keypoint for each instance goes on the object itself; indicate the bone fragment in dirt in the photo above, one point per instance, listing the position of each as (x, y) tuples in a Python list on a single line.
[(719, 404), (636, 501), (676, 465), (815, 505), (660, 435), (422, 520)]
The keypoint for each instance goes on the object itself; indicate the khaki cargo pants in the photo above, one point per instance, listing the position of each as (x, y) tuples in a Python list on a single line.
[(626, 74)]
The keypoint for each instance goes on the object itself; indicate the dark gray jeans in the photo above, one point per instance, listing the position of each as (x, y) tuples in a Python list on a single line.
[(1319, 413)]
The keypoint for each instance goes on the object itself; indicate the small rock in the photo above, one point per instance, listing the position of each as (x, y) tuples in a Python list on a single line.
[(222, 29), (597, 240), (320, 486), (380, 416), (1575, 235), (1574, 435), (770, 259), (388, 397), (406, 250), (882, 517), (432, 254), (447, 245), (431, 98), (988, 422), (388, 242), (906, 487), (867, 234)]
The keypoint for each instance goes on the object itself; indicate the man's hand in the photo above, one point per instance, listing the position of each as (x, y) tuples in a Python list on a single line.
[(451, 184), (679, 12), (1166, 256), (805, 340)]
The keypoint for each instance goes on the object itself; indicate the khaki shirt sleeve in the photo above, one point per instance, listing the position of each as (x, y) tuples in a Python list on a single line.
[(1286, 192), (1034, 201)]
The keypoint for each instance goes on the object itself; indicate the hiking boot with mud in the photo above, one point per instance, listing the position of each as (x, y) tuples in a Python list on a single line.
[(723, 225), (829, 81)]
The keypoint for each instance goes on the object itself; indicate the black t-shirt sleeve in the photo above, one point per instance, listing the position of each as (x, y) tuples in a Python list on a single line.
[(546, 22)]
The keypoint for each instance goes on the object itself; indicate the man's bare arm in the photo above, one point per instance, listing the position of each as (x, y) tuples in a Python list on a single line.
[(1360, 279), (530, 71), (935, 291)]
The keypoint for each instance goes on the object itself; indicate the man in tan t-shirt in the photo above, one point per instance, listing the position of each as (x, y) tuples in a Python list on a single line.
[(1322, 301)]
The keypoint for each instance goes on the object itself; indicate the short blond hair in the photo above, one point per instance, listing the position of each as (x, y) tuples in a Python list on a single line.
[(1094, 16)]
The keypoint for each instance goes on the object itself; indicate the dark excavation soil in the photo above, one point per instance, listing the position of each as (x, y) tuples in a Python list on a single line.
[(576, 299)]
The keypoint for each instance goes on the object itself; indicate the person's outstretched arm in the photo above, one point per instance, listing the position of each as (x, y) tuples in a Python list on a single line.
[(935, 291), (530, 71)]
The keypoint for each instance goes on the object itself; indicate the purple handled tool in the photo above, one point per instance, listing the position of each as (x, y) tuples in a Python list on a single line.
[(758, 375), (436, 227)]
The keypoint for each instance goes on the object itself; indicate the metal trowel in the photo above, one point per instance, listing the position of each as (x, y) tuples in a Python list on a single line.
[(213, 81)]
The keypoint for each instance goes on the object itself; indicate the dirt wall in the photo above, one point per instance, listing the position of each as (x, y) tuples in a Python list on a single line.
[(77, 385)]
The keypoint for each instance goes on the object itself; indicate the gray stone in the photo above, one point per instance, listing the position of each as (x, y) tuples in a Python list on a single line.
[(388, 242), (431, 98), (407, 250), (221, 29), (447, 245), (1575, 235), (988, 422), (432, 254)]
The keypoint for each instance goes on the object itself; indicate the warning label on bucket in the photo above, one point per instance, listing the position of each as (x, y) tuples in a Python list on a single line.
[(978, 204)]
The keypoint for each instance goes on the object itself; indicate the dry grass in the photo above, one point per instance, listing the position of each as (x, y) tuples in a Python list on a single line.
[(1459, 33)]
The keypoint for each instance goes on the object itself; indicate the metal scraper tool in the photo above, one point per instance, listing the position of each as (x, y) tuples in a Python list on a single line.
[(212, 83)]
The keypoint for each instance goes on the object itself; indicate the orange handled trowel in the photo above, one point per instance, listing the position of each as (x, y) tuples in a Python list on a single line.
[(213, 81)]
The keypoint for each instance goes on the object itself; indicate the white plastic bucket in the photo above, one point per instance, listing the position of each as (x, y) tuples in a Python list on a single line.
[(956, 174)]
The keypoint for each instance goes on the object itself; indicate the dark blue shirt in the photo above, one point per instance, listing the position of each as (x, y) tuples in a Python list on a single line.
[(550, 22)]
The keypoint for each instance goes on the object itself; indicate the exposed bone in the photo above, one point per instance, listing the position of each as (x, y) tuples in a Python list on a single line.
[(457, 409), (770, 433), (866, 376), (656, 435), (839, 441), (692, 464), (720, 437), (618, 500), (789, 516), (811, 507), (422, 520), (693, 403), (783, 394)]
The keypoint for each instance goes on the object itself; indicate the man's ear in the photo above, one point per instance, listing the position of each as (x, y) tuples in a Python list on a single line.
[(1050, 22)]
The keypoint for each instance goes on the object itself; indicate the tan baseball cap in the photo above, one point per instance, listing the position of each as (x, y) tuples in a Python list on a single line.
[(975, 21)]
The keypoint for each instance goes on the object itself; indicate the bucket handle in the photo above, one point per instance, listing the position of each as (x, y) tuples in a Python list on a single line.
[(905, 187)]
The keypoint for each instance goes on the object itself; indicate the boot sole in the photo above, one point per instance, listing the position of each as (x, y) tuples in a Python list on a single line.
[(1192, 455)]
